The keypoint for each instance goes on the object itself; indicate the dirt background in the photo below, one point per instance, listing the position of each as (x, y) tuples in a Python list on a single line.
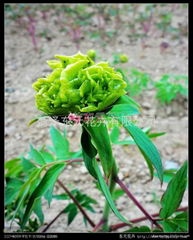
[(23, 65)]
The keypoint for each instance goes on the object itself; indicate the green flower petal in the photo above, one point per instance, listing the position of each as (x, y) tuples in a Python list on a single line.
[(78, 85)]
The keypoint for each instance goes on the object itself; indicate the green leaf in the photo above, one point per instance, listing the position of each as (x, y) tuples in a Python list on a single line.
[(139, 229), (182, 221), (13, 167), (173, 195), (149, 163), (125, 142), (36, 119), (107, 193), (117, 193), (77, 154), (25, 189), (128, 100), (38, 210), (169, 226), (85, 221), (154, 135), (114, 136), (60, 143), (48, 195), (129, 140), (167, 174), (27, 165), (145, 145), (48, 157), (69, 207), (176, 224), (88, 151), (88, 207), (12, 187), (48, 179), (36, 156), (122, 110), (62, 196), (100, 137), (72, 214)]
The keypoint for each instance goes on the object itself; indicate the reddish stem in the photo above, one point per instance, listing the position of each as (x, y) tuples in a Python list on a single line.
[(97, 227), (136, 220), (59, 214), (131, 196), (77, 203), (74, 160)]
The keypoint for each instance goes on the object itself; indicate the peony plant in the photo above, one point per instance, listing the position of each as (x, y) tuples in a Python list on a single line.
[(80, 87)]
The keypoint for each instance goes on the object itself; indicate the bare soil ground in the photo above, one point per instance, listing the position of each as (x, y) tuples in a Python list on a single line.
[(23, 66)]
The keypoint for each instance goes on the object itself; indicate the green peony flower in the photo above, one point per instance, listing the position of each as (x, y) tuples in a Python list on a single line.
[(78, 85)]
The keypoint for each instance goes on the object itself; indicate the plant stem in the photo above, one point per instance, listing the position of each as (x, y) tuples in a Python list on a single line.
[(97, 227), (136, 220), (106, 210), (131, 196), (59, 214), (77, 203), (107, 207)]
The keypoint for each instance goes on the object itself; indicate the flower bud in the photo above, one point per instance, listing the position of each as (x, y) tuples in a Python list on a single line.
[(123, 58)]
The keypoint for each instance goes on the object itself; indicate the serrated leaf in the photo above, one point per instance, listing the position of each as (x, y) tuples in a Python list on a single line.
[(48, 179), (173, 195), (147, 148), (107, 193), (60, 143), (36, 156)]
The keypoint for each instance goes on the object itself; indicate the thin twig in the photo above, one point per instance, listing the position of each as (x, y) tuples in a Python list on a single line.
[(136, 220), (76, 202), (46, 228), (131, 196), (75, 160)]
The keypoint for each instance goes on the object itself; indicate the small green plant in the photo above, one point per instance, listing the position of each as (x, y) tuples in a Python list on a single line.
[(77, 84), (137, 81), (168, 87)]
